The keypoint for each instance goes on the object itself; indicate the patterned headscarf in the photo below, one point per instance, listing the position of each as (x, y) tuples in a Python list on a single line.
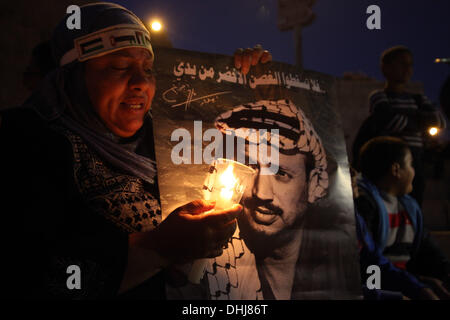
[(296, 135), (105, 28)]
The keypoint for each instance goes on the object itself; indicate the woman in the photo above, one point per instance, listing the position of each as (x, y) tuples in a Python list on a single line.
[(83, 147)]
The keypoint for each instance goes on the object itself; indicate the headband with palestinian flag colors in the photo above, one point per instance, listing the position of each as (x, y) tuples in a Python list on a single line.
[(104, 28)]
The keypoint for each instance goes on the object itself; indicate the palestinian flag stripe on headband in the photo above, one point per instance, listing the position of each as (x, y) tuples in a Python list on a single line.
[(89, 46), (108, 40)]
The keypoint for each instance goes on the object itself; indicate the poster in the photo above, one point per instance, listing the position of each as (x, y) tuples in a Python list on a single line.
[(296, 236)]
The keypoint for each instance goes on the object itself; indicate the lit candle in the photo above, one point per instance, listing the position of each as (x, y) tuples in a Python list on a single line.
[(228, 182), (225, 183)]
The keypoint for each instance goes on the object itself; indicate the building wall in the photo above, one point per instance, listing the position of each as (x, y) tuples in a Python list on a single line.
[(23, 24)]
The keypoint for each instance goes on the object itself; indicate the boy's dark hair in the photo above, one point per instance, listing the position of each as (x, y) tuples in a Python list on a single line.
[(378, 154), (390, 54)]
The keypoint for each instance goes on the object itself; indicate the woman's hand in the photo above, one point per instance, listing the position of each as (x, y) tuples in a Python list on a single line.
[(192, 231), (244, 59)]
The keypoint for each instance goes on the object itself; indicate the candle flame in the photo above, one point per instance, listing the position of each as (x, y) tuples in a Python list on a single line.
[(228, 180)]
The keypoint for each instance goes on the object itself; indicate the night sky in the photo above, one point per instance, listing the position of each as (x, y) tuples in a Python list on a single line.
[(337, 41)]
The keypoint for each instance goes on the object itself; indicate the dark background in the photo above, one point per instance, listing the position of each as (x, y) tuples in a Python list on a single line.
[(337, 41)]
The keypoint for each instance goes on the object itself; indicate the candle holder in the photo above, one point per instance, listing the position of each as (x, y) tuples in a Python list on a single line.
[(225, 183)]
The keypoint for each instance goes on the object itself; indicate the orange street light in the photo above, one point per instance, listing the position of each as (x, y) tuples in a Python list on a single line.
[(156, 26)]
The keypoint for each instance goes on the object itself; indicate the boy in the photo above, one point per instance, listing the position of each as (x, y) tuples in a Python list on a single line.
[(393, 218), (397, 284)]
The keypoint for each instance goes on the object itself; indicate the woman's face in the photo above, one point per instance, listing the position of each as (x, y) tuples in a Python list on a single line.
[(121, 86)]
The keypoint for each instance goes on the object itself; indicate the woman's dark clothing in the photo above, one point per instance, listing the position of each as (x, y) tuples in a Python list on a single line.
[(63, 205)]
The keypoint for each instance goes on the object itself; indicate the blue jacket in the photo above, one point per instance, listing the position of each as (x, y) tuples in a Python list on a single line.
[(393, 279), (411, 207)]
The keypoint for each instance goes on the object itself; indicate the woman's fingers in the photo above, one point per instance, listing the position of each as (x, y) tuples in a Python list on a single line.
[(266, 57), (245, 59), (224, 233), (238, 58), (195, 230), (197, 206), (222, 217), (256, 54)]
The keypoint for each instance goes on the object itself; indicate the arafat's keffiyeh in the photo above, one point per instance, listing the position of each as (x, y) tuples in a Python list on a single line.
[(296, 134)]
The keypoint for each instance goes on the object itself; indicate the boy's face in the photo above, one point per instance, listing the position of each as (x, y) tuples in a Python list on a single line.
[(406, 175), (121, 87), (400, 69)]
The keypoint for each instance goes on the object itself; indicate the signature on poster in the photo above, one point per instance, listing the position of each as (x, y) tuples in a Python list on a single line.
[(184, 95)]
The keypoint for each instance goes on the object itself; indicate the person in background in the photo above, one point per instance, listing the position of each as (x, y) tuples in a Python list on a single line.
[(444, 97), (41, 63), (396, 284), (394, 218), (399, 113)]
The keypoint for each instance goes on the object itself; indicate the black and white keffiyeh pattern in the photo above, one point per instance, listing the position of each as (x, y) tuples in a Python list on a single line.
[(296, 134)]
